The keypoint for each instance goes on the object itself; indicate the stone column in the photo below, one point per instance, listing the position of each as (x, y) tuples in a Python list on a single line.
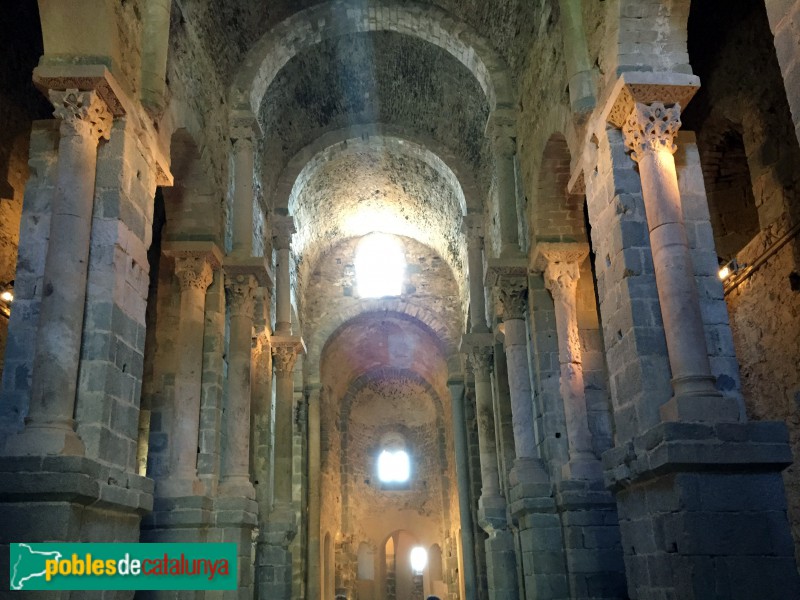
[(500, 552), (194, 270), (240, 288), (650, 131), (244, 132), (502, 133), (472, 226), (462, 473), (561, 266), (275, 560), (576, 53), (313, 591), (50, 429), (283, 228)]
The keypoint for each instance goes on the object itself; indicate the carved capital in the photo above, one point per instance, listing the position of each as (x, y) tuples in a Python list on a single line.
[(282, 230), (480, 360), (472, 226), (560, 264), (241, 293), (561, 278), (501, 129), (244, 128), (82, 114), (194, 271), (513, 292), (284, 357), (650, 128)]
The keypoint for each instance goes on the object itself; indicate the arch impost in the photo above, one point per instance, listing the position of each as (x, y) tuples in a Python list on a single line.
[(255, 266), (243, 124), (207, 250), (99, 79), (646, 88)]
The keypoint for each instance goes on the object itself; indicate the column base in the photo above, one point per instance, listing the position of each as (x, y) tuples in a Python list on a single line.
[(236, 520), (541, 541), (592, 546), (587, 468), (69, 499), (492, 513), (702, 512), (179, 487), (46, 439), (700, 408), (501, 566), (273, 559), (237, 487)]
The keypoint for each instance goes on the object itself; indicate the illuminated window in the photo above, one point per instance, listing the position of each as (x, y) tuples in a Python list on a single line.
[(419, 559), (380, 266), (394, 466)]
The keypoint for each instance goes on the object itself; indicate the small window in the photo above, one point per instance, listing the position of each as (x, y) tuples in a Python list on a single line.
[(380, 266), (394, 466)]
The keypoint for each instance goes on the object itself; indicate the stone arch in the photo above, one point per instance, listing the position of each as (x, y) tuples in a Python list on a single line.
[(555, 215), (447, 335), (332, 19), (434, 153)]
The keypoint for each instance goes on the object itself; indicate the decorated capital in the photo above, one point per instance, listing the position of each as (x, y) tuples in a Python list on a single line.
[(241, 290), (651, 128), (82, 114), (194, 271)]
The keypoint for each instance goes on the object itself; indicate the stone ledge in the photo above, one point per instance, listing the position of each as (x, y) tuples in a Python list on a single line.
[(73, 479), (692, 447)]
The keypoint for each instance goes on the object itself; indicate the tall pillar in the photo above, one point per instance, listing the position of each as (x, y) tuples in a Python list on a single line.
[(501, 130), (650, 132), (244, 132), (235, 469), (699, 488), (532, 504), (49, 428), (582, 89), (283, 228), (313, 562), (462, 474), (472, 226), (561, 266), (194, 270), (500, 551), (585, 507), (274, 566)]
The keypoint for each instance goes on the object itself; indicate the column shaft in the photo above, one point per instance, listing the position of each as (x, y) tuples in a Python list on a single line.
[(284, 358), (519, 384), (507, 197), (472, 227), (650, 133), (462, 474), (50, 426), (236, 453), (195, 275), (313, 591), (243, 197), (490, 482)]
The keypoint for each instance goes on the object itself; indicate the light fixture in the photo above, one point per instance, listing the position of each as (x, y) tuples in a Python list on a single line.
[(419, 559), (7, 296), (730, 268)]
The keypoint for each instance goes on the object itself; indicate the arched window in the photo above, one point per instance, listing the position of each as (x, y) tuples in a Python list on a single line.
[(394, 464), (380, 266)]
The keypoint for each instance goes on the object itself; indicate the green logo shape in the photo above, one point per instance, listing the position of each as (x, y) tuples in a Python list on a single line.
[(57, 566)]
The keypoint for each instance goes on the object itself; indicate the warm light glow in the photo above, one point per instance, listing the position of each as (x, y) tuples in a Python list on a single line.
[(7, 296), (419, 559), (724, 272), (394, 467), (380, 266)]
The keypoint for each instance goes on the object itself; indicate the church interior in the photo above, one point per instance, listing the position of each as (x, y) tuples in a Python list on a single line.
[(407, 298)]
